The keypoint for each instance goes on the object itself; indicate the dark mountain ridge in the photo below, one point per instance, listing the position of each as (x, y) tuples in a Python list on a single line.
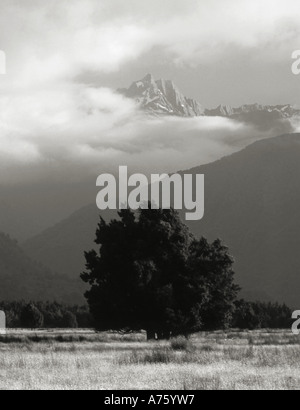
[(252, 202), (23, 279)]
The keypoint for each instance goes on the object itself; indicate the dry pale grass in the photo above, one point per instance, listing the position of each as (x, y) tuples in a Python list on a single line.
[(232, 361)]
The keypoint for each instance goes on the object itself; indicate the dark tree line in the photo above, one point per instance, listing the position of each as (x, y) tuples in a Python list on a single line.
[(45, 315), (246, 315), (258, 315)]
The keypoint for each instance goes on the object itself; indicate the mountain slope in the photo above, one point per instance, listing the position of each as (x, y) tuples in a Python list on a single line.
[(28, 208), (62, 247), (276, 111), (252, 201), (23, 279)]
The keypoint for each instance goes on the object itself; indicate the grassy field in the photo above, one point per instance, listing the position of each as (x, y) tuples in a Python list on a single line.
[(86, 360)]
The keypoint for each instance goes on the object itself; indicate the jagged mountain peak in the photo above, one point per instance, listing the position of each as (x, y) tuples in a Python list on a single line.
[(162, 97), (149, 78)]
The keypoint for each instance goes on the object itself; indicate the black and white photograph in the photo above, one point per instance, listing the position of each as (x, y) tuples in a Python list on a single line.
[(149, 197)]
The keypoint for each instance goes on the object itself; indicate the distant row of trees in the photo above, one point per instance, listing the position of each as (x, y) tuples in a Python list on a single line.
[(46, 315), (246, 315), (258, 315)]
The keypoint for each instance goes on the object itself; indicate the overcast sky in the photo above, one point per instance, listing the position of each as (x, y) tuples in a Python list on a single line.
[(58, 110)]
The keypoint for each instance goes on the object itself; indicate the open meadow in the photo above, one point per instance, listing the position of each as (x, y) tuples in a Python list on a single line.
[(85, 360)]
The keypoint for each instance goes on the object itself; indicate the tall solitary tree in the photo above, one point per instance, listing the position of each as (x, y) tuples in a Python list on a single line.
[(151, 273)]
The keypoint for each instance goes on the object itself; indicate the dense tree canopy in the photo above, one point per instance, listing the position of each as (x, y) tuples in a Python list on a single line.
[(247, 315), (31, 317), (152, 273), (55, 315), (258, 315)]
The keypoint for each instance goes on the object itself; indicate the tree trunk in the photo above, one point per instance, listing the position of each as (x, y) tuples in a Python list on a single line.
[(151, 335), (160, 335)]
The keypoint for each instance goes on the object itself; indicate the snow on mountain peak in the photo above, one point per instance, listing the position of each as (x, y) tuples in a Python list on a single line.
[(163, 97)]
